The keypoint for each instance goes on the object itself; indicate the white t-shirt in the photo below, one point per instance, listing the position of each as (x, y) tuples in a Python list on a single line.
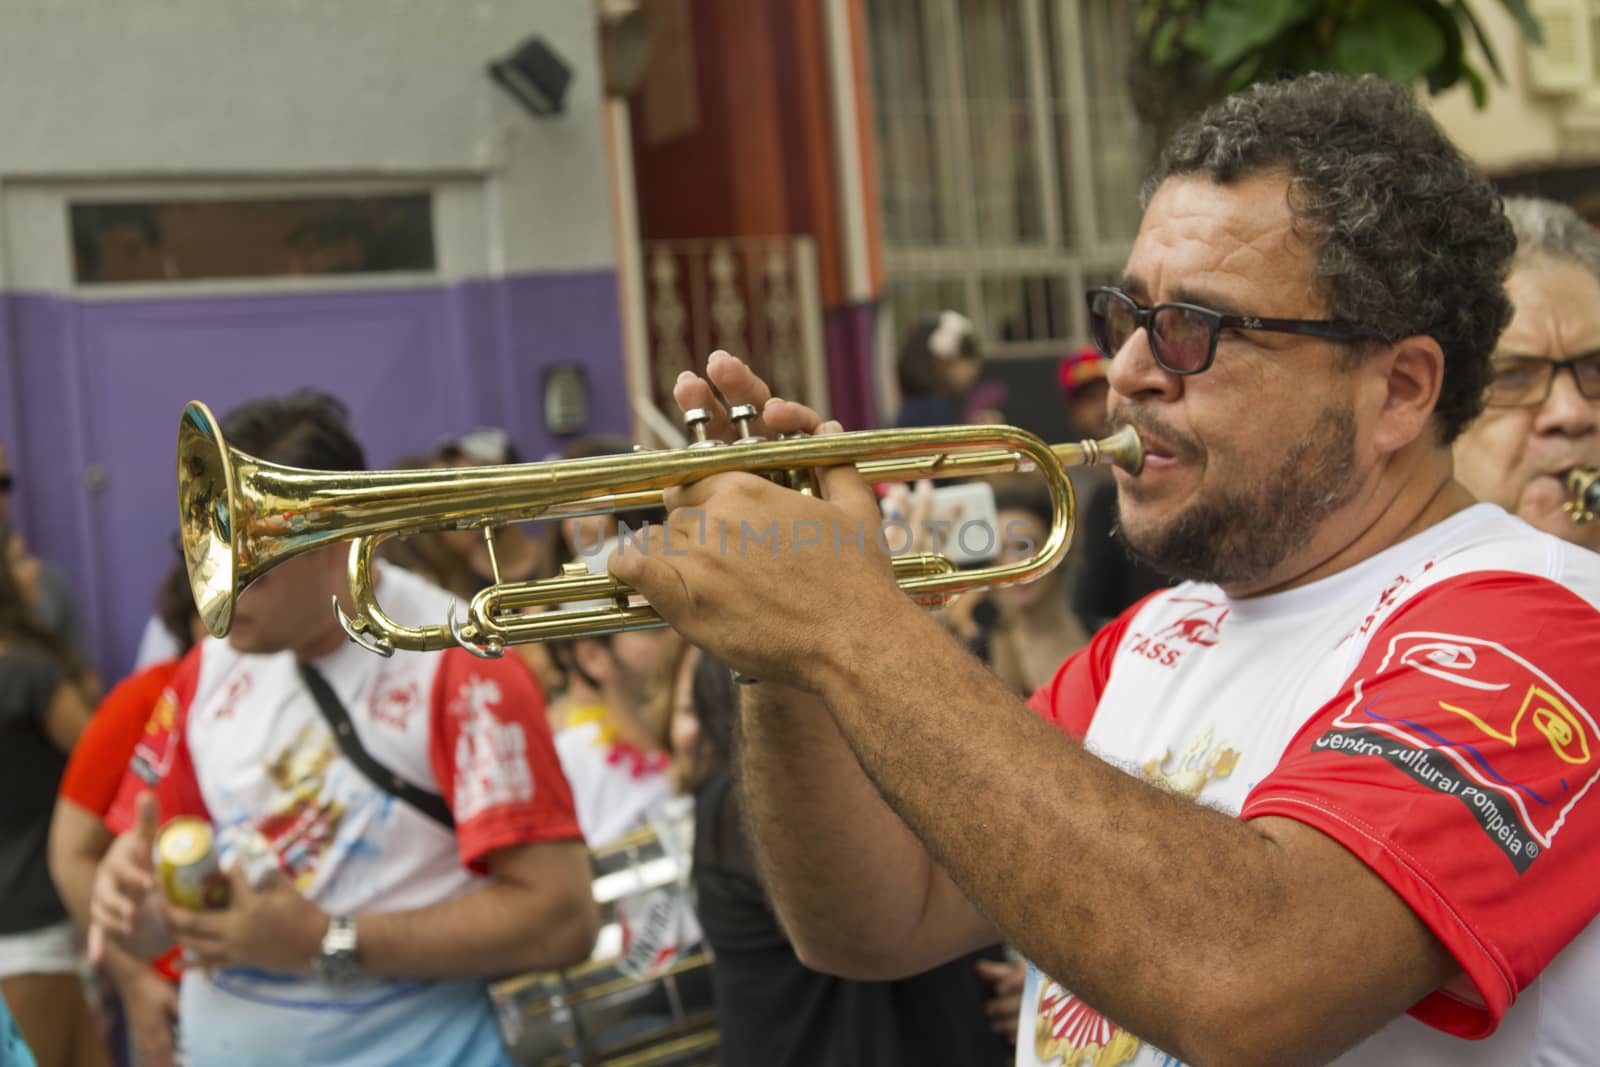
[(615, 787), (1434, 710), (249, 750)]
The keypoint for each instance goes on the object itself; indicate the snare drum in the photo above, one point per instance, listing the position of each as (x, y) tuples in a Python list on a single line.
[(644, 998)]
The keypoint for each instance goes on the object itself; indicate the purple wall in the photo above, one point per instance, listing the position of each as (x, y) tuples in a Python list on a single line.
[(97, 386)]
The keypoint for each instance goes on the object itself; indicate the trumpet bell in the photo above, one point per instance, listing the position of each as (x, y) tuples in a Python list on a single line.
[(206, 508)]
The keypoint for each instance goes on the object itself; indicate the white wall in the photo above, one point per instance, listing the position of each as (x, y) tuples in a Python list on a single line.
[(1520, 128), (122, 91)]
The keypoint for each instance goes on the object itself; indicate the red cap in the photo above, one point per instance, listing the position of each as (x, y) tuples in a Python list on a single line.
[(1078, 368)]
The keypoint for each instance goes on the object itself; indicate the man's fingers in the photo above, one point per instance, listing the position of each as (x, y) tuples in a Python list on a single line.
[(787, 416), (654, 579), (735, 381), (843, 485), (149, 816), (97, 943), (691, 391)]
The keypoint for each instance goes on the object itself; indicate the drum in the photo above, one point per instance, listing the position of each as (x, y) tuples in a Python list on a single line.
[(644, 998)]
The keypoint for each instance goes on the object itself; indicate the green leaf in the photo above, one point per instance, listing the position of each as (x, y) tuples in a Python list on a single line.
[(1464, 13), (1530, 26), (1394, 41), (1447, 71), (1148, 10), (1229, 30), (1161, 43), (1480, 90)]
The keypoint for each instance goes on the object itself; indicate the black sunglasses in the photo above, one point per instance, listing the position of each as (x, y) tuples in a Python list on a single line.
[(1183, 337), (6, 482), (1525, 381)]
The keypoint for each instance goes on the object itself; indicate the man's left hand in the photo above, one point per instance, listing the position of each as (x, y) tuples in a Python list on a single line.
[(269, 926), (768, 580)]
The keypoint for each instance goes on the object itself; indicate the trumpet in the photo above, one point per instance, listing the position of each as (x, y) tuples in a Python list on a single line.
[(240, 516), (1583, 489)]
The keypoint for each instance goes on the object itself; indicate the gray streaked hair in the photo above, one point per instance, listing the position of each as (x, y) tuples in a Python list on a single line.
[(1408, 236), (1551, 229)]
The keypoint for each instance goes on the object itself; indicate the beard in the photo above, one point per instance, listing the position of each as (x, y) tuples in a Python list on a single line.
[(1240, 535)]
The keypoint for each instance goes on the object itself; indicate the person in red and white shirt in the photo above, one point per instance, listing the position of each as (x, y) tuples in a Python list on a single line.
[(372, 939), (1335, 794)]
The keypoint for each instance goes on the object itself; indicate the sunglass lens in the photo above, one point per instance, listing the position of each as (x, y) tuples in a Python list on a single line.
[(1111, 321), (1182, 339)]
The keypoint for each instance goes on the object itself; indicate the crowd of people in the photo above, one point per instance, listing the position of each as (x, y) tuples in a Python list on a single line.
[(1290, 762)]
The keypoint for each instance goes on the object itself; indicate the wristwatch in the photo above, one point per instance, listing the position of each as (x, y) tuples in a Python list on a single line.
[(338, 963)]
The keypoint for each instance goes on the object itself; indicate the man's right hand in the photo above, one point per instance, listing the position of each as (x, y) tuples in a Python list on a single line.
[(123, 882)]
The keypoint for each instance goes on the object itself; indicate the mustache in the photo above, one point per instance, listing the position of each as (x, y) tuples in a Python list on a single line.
[(1149, 424)]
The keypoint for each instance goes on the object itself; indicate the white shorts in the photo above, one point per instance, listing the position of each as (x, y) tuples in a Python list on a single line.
[(50, 950)]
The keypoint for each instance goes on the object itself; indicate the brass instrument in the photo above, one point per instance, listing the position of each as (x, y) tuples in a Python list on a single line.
[(1583, 486), (240, 516)]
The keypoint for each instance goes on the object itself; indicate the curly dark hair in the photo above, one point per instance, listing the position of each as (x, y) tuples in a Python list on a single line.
[(1410, 237)]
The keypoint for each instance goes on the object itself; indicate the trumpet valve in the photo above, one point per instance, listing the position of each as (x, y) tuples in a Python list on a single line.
[(697, 419), (742, 415)]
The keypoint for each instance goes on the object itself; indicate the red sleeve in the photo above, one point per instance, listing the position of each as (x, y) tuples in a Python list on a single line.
[(494, 757), (1068, 700), (1458, 762), (161, 759), (100, 758)]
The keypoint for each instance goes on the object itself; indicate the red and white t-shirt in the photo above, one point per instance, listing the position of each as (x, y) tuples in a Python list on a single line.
[(250, 751), (1434, 709)]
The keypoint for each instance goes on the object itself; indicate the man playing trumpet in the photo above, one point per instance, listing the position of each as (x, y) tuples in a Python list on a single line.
[(1541, 416), (1379, 692)]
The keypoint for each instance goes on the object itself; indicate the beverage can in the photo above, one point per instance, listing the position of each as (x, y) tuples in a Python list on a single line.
[(188, 867)]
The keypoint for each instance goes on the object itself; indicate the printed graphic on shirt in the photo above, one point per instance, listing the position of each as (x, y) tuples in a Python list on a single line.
[(1067, 1030), (152, 755), (491, 755), (1198, 627), (301, 820), (394, 706), (1201, 762), (1493, 730), (1075, 1035)]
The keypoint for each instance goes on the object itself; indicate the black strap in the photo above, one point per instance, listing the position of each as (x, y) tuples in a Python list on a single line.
[(344, 734)]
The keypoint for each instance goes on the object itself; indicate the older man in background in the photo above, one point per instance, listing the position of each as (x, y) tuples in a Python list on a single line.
[(1541, 415)]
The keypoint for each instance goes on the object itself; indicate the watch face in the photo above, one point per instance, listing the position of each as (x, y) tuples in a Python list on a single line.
[(337, 963)]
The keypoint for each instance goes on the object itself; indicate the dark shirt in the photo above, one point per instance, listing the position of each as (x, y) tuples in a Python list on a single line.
[(30, 767), (1109, 580), (929, 409), (774, 1011)]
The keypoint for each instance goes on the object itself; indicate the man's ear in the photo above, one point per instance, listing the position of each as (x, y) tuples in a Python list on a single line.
[(1405, 381)]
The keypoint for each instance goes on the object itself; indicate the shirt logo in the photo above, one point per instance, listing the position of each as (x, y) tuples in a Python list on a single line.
[(491, 755), (1200, 626), (393, 707), (1520, 749)]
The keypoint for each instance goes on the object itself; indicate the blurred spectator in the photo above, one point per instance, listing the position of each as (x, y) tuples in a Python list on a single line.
[(772, 1009), (617, 763), (938, 365), (78, 835), (517, 554), (42, 713), (1084, 391), (430, 554), (44, 583), (1026, 631), (1107, 580)]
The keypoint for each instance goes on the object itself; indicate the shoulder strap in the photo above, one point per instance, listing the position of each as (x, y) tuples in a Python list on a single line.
[(344, 734)]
